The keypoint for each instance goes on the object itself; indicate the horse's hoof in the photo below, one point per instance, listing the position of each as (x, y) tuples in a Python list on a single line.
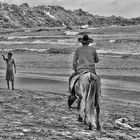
[(80, 119), (87, 128), (90, 127), (98, 127), (85, 122)]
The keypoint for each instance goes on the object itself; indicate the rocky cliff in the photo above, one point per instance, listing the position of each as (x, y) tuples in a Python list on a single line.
[(24, 16)]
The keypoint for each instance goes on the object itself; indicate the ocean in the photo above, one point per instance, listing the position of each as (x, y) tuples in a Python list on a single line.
[(52, 54)]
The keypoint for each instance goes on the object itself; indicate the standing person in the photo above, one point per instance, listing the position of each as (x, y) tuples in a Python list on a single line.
[(10, 70), (85, 58)]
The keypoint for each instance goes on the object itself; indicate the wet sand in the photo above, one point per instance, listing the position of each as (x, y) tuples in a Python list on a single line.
[(113, 88)]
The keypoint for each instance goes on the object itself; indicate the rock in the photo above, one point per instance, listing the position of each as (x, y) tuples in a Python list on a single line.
[(24, 6), (137, 124), (123, 123)]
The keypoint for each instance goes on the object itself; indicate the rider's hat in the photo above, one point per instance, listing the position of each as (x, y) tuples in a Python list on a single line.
[(85, 39)]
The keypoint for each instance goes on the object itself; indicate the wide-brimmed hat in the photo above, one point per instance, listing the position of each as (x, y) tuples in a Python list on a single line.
[(85, 39)]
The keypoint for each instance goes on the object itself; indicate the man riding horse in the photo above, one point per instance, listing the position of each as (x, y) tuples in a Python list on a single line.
[(84, 59)]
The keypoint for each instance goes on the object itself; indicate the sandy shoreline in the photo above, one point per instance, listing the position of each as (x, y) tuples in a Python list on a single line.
[(34, 114), (117, 87)]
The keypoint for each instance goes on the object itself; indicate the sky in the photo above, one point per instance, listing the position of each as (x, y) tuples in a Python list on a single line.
[(125, 8)]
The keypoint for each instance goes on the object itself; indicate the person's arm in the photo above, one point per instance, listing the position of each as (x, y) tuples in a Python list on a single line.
[(4, 58), (96, 58), (75, 61), (14, 65)]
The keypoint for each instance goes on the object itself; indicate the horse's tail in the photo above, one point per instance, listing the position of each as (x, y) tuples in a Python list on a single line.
[(91, 102)]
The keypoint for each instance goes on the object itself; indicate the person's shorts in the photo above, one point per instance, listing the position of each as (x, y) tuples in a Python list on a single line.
[(10, 75)]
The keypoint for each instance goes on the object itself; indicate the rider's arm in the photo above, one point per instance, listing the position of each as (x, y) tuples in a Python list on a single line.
[(96, 58), (75, 61)]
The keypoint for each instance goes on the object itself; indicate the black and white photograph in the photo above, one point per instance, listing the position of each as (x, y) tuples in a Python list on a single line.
[(70, 70)]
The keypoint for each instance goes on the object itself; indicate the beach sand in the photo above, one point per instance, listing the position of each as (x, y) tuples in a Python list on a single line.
[(120, 87), (37, 109), (38, 115)]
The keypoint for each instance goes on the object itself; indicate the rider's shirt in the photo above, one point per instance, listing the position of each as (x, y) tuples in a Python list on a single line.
[(85, 58)]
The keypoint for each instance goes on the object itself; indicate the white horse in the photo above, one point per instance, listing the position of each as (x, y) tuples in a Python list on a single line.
[(87, 89)]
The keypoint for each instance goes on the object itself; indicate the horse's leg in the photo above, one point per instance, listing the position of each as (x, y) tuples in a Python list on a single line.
[(82, 101), (78, 93), (97, 117), (85, 94), (85, 118), (91, 104), (80, 119), (98, 126), (90, 126)]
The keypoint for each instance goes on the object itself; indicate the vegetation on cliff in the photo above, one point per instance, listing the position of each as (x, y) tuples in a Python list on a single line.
[(24, 16)]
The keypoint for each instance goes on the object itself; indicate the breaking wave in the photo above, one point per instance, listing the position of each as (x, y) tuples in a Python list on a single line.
[(36, 42), (32, 50), (65, 51), (112, 52), (125, 41), (37, 37), (14, 42), (24, 50)]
